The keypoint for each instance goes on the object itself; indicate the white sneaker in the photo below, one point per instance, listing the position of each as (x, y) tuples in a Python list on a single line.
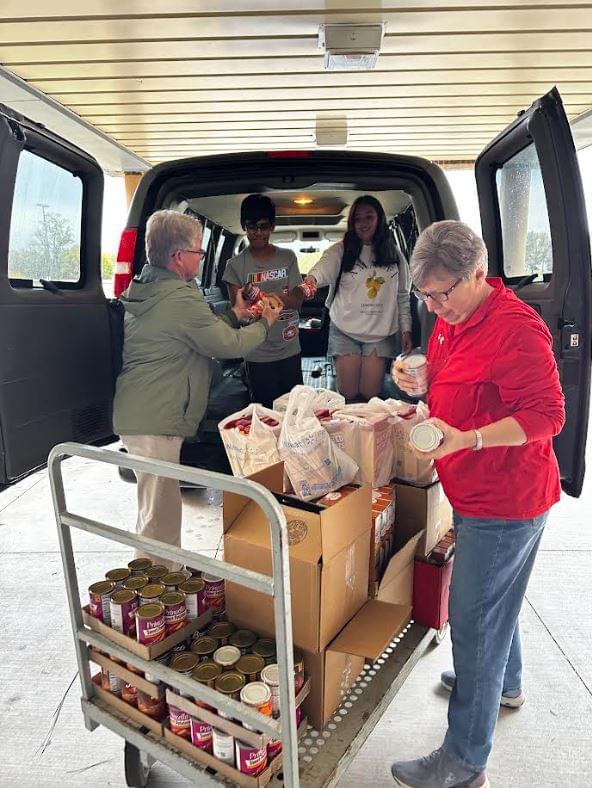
[(513, 699)]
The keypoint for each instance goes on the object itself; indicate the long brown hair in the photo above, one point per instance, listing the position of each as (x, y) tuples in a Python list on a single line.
[(383, 243)]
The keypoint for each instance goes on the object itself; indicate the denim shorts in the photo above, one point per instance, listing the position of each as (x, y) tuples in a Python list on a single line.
[(341, 344)]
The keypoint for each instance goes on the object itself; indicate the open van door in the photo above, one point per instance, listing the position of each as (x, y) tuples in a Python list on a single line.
[(55, 354), (533, 218)]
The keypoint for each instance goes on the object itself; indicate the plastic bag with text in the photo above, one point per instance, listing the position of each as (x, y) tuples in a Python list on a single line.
[(325, 400), (250, 438), (374, 443), (314, 464)]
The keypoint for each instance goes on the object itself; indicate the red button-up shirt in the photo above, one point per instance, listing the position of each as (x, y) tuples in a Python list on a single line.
[(498, 363)]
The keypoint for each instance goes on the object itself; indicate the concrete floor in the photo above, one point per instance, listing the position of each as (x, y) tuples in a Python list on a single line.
[(43, 740)]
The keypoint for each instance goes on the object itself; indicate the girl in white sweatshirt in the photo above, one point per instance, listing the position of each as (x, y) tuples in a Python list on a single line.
[(368, 299)]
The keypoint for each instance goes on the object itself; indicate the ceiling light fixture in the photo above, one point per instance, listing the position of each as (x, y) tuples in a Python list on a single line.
[(350, 47), (303, 200)]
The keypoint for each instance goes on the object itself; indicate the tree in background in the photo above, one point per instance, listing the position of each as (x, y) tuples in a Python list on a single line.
[(52, 253)]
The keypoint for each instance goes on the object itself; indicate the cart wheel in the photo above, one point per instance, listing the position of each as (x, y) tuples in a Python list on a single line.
[(137, 768), (440, 634)]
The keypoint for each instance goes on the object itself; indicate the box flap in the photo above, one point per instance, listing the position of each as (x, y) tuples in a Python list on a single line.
[(233, 504), (344, 522), (400, 560), (372, 629)]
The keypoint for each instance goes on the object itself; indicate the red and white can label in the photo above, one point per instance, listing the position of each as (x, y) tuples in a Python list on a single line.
[(150, 629), (201, 735), (196, 604), (250, 760), (123, 617), (215, 596)]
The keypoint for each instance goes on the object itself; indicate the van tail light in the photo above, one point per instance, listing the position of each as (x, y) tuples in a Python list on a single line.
[(124, 267), (288, 154)]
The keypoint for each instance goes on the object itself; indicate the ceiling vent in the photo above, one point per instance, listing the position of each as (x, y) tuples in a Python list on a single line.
[(350, 47)]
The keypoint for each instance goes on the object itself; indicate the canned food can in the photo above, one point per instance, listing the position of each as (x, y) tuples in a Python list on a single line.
[(244, 639), (151, 592), (135, 583), (206, 673), (105, 682), (266, 648), (416, 365), (175, 612), (204, 647), (173, 580), (270, 676), (274, 747), (193, 572), (221, 632), (250, 760), (129, 694), (152, 707), (250, 665), (150, 623), (230, 684), (195, 599), (298, 671), (123, 606), (139, 565), (156, 572), (115, 684), (223, 746), (257, 696), (99, 596), (179, 722), (227, 657), (201, 735), (118, 575), (298, 716), (425, 436), (215, 595), (184, 663), (163, 659)]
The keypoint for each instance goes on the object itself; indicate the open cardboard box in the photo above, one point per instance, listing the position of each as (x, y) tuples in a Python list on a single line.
[(126, 709), (329, 557), (139, 649), (421, 509)]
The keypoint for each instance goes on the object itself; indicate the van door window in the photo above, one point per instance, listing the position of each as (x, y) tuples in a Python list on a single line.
[(46, 223), (526, 234)]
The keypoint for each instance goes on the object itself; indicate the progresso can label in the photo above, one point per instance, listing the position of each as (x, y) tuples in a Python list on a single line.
[(123, 606), (150, 623), (99, 596)]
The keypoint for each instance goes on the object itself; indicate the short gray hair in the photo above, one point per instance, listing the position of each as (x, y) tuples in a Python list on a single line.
[(450, 246), (167, 231)]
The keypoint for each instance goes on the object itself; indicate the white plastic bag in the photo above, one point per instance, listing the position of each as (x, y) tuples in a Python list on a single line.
[(374, 442), (314, 464), (250, 451), (325, 400)]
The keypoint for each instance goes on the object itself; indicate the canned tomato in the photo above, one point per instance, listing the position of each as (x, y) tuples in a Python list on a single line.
[(250, 665), (173, 580), (243, 639), (416, 365), (274, 747), (270, 676), (201, 735), (227, 657), (257, 696), (298, 671), (223, 746), (150, 623), (123, 606), (215, 595), (204, 647), (139, 565), (135, 583), (265, 647), (129, 694), (156, 572), (221, 632), (99, 595), (230, 684), (195, 600), (175, 612), (179, 722), (152, 707), (152, 592), (163, 659), (250, 760), (115, 684), (425, 436), (184, 662), (206, 673), (117, 576)]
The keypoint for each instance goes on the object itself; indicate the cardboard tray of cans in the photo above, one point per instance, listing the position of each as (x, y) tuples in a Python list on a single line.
[(139, 649), (205, 759), (135, 679), (228, 726), (126, 709)]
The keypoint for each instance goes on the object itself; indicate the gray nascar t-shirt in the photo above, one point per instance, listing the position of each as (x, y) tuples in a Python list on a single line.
[(278, 275)]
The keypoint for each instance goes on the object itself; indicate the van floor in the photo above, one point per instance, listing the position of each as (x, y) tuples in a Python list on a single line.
[(45, 744)]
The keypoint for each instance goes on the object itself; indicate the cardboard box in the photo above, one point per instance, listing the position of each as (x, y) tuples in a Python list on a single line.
[(334, 671), (126, 709), (420, 508), (431, 588), (329, 557), (396, 586)]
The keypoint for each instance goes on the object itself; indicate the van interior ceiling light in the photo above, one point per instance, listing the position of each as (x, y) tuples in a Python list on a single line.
[(350, 47), (303, 199)]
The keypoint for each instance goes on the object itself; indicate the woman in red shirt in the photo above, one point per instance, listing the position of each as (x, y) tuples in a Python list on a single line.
[(495, 394)]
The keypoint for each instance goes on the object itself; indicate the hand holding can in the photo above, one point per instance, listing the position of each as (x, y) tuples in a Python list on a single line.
[(410, 373)]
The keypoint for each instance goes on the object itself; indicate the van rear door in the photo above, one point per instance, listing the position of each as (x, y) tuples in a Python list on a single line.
[(55, 355), (534, 224)]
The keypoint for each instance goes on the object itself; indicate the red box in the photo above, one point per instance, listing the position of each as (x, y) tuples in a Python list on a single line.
[(431, 587)]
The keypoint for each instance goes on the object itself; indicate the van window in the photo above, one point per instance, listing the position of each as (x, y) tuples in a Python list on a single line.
[(525, 225), (46, 222)]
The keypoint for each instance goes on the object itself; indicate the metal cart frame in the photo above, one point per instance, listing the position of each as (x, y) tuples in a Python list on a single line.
[(324, 754)]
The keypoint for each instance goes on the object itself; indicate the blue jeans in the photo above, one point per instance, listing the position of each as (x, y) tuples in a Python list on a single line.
[(492, 565)]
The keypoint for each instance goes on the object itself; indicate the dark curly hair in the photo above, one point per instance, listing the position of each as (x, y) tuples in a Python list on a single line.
[(256, 207), (386, 253)]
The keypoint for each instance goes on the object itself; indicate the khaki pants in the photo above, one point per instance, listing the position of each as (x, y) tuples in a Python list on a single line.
[(159, 499)]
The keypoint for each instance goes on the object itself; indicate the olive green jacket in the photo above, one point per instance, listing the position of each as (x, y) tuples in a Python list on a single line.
[(170, 337)]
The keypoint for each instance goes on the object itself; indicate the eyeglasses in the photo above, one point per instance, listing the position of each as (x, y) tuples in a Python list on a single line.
[(200, 252), (438, 295), (258, 227)]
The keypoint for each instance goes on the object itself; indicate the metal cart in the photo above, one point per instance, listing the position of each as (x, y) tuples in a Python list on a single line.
[(320, 757)]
